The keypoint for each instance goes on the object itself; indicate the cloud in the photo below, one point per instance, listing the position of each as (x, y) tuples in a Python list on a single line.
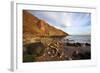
[(81, 19), (72, 22)]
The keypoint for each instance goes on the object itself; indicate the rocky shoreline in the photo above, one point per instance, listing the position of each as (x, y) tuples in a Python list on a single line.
[(48, 49)]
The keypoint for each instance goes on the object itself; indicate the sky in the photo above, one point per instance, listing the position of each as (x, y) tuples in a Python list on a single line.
[(74, 23)]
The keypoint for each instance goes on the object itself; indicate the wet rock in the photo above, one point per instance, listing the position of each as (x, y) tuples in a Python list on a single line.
[(53, 52), (78, 44), (35, 48), (87, 44)]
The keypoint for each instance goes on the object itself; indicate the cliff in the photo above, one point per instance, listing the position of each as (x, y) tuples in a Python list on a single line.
[(34, 27)]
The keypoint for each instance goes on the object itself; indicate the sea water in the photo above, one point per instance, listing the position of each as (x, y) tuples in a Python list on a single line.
[(79, 38)]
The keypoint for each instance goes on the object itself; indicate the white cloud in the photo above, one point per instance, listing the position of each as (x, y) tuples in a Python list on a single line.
[(69, 22)]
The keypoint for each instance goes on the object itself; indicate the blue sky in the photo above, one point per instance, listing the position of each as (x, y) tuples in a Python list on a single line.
[(74, 23)]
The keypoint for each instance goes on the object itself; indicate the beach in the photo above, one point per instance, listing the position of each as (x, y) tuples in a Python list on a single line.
[(57, 49)]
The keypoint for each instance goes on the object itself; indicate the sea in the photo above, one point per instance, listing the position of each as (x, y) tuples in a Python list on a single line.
[(79, 38)]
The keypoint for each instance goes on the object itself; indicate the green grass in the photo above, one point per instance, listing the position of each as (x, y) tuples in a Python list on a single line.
[(29, 58), (32, 58)]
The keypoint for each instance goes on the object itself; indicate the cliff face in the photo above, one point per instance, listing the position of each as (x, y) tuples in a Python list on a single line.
[(35, 46), (34, 27)]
